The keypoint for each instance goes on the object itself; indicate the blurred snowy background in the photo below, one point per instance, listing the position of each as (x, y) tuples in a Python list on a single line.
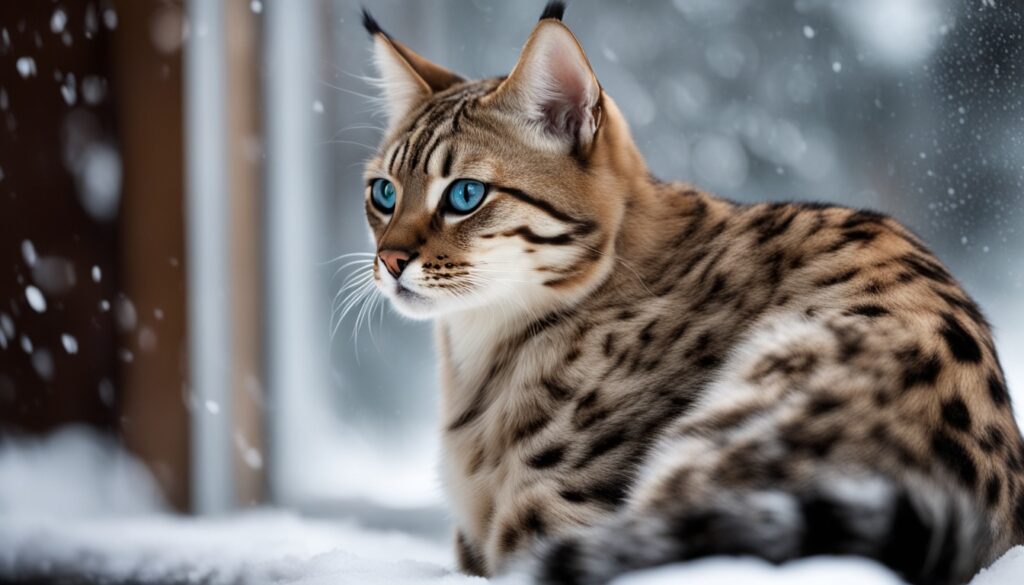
[(178, 179)]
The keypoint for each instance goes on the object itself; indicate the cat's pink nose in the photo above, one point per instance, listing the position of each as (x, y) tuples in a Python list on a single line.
[(395, 260)]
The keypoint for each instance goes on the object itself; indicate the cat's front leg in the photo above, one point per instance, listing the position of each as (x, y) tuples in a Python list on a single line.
[(469, 556)]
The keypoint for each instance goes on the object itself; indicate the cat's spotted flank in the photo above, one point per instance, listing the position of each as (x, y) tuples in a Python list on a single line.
[(637, 372)]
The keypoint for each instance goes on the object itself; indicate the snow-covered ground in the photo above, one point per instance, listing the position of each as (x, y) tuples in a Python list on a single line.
[(253, 548), (276, 547), (76, 508)]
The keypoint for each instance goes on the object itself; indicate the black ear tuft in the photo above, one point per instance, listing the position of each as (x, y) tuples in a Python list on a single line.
[(554, 9), (370, 24)]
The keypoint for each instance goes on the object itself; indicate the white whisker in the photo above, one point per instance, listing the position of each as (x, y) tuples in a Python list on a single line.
[(350, 254), (352, 142)]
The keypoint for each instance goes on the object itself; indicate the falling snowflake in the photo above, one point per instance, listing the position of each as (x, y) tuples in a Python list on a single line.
[(28, 252), (68, 90), (35, 299), (69, 342), (58, 21), (26, 66)]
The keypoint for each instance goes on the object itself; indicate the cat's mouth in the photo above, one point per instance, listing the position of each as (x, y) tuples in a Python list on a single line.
[(408, 301), (408, 294)]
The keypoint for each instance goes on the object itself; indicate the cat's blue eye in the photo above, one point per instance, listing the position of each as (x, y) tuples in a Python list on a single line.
[(383, 194), (465, 195)]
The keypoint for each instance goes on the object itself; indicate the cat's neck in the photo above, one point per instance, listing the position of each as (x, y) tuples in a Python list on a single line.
[(471, 338)]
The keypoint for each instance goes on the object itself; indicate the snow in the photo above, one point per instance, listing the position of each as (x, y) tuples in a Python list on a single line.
[(58, 21), (88, 153), (28, 252), (110, 19), (264, 547), (54, 275), (147, 339), (68, 90), (99, 173), (125, 314), (250, 455), (900, 33), (814, 571), (69, 342), (260, 547), (91, 21), (1004, 571), (76, 507), (26, 66), (75, 472), (94, 89), (35, 299)]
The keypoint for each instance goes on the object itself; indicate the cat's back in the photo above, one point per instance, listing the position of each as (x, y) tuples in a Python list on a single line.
[(740, 261)]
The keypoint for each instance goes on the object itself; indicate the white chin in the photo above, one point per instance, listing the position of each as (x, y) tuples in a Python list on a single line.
[(416, 305), (412, 305)]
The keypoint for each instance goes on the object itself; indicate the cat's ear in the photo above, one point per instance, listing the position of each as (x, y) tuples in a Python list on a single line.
[(553, 84), (406, 78)]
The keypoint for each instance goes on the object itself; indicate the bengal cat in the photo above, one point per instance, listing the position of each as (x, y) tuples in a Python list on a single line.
[(636, 372)]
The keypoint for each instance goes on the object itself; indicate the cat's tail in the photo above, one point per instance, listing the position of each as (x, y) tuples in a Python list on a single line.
[(925, 535)]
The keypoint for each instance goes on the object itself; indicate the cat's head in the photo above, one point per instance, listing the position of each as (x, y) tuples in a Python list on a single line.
[(502, 193)]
